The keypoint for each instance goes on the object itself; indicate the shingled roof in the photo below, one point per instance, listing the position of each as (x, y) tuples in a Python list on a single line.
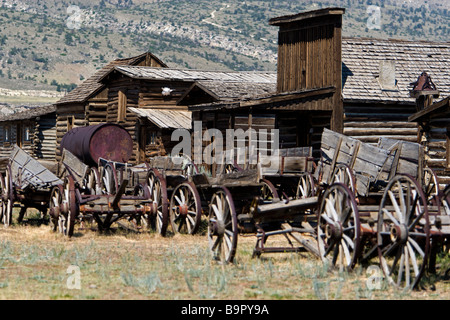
[(29, 113), (92, 85), (361, 59), (151, 73)]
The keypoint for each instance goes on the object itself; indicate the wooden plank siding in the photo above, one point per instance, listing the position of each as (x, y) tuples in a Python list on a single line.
[(94, 102), (309, 57), (142, 94), (34, 132), (370, 121), (434, 135)]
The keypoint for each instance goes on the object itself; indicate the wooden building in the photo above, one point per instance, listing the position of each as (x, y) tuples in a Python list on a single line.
[(308, 95), (33, 130), (152, 102), (377, 76), (87, 103), (434, 135)]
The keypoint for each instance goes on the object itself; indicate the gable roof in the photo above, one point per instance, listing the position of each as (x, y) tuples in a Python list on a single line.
[(188, 75), (92, 85), (216, 85), (361, 59), (29, 113)]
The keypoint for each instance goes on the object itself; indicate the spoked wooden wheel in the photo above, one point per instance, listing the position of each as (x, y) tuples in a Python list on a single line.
[(158, 218), (66, 221), (268, 191), (222, 226), (8, 194), (189, 167), (2, 197), (445, 201), (403, 232), (230, 168), (92, 182), (344, 174), (430, 186), (305, 187), (109, 179), (338, 232), (55, 205), (185, 209)]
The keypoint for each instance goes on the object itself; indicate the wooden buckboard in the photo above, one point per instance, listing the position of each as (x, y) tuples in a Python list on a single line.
[(373, 166), (27, 172)]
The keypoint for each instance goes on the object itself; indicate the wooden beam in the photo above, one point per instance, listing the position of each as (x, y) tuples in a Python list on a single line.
[(289, 96)]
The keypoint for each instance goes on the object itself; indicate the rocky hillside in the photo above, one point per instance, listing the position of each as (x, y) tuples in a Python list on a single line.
[(55, 45)]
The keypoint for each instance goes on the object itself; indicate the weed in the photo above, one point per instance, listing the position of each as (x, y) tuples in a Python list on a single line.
[(145, 285)]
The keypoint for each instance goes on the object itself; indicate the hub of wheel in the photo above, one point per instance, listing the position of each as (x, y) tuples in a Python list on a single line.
[(399, 233), (55, 211), (153, 208), (217, 227), (334, 231), (182, 210)]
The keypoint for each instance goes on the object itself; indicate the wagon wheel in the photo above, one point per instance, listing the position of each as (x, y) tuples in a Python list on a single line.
[(189, 167), (66, 220), (92, 182), (55, 205), (403, 232), (185, 209), (306, 186), (2, 201), (268, 191), (430, 185), (338, 230), (8, 197), (344, 174), (109, 179), (444, 210), (445, 201), (222, 226), (230, 168), (158, 218)]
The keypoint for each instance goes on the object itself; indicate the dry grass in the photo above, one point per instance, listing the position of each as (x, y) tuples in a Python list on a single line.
[(125, 265)]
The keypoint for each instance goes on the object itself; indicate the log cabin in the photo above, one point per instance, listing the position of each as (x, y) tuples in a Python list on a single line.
[(152, 102), (34, 131), (377, 76), (434, 135), (87, 103)]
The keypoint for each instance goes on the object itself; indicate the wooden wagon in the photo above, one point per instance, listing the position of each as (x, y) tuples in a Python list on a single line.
[(26, 183), (364, 201), (381, 206), (98, 183)]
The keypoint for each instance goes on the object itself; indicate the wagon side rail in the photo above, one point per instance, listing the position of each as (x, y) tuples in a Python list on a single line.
[(73, 166), (366, 161), (27, 172)]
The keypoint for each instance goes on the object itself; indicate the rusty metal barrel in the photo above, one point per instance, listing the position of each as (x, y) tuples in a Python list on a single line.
[(106, 140)]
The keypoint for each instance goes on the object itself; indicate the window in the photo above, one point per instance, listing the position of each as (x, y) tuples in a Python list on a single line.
[(152, 138), (122, 106)]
